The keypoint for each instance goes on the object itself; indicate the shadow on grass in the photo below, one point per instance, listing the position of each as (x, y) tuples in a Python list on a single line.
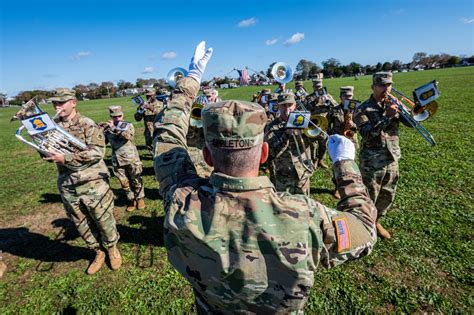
[(152, 193), (22, 242), (150, 231), (321, 191), (51, 198), (148, 171)]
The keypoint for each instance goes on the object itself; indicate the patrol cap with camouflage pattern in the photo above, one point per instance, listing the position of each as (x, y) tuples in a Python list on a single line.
[(233, 124), (266, 91), (382, 78), (115, 111), (317, 81), (347, 90), (62, 95), (274, 97), (150, 91), (286, 98)]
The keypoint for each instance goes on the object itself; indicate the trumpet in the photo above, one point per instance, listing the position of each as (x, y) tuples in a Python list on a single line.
[(412, 121)]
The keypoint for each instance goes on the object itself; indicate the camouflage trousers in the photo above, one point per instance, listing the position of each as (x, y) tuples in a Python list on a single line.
[(196, 156), (381, 181), (148, 133), (318, 149), (90, 206), (131, 181)]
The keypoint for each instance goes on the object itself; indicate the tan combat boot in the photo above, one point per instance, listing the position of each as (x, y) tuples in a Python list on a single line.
[(97, 263), (131, 206), (382, 232), (322, 164), (141, 204), (115, 258), (336, 194)]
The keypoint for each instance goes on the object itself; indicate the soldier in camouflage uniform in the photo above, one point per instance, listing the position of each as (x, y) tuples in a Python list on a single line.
[(340, 121), (319, 103), (83, 182), (289, 156), (147, 112), (378, 120), (125, 159), (300, 93), (241, 245)]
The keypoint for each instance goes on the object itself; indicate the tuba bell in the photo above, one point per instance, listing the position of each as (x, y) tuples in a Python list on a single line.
[(282, 73), (318, 124), (46, 136), (174, 75)]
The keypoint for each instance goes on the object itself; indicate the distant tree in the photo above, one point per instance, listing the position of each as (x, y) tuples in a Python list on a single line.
[(470, 59), (387, 66), (122, 85), (140, 82), (106, 89), (355, 68), (378, 67), (304, 68), (81, 91), (396, 65), (315, 69), (418, 57), (454, 60), (331, 67)]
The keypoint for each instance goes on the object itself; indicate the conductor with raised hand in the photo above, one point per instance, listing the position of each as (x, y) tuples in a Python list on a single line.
[(241, 245)]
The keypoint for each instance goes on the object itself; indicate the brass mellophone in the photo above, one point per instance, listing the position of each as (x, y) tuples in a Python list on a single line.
[(46, 136)]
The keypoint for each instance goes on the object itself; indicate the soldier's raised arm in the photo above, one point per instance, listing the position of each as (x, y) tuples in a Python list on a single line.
[(348, 232), (172, 163)]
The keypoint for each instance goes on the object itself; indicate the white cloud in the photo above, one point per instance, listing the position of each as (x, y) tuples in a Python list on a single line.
[(248, 22), (467, 20), (270, 42), (295, 38), (148, 70), (81, 55), (169, 55)]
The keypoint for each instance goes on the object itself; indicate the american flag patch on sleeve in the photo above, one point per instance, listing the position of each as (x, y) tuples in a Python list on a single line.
[(343, 234)]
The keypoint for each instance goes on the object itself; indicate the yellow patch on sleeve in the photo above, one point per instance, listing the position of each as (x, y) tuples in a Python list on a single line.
[(343, 234)]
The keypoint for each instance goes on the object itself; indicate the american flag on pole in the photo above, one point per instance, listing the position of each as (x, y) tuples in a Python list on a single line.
[(244, 77)]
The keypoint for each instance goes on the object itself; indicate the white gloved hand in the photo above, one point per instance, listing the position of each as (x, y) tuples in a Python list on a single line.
[(340, 148), (199, 61)]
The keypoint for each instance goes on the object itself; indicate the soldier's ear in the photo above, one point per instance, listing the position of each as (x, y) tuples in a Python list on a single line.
[(264, 155), (207, 156)]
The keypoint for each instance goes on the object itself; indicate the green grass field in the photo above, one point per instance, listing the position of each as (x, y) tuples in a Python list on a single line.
[(426, 267)]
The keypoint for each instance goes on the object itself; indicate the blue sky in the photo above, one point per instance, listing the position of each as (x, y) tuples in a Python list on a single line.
[(48, 44)]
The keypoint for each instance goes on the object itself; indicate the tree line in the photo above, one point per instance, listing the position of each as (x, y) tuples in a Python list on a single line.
[(305, 69)]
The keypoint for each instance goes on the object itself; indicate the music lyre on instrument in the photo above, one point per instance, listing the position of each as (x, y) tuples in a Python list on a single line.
[(46, 136), (420, 109)]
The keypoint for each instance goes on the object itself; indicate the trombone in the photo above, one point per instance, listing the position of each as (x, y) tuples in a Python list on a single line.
[(411, 119)]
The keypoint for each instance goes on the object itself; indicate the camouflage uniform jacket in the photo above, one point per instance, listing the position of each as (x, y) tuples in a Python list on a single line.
[(283, 150), (124, 151), (241, 245), (86, 165), (336, 122), (148, 114), (317, 105), (379, 133)]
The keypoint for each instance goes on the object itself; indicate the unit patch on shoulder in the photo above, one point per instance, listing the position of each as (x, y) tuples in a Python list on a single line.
[(343, 234)]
